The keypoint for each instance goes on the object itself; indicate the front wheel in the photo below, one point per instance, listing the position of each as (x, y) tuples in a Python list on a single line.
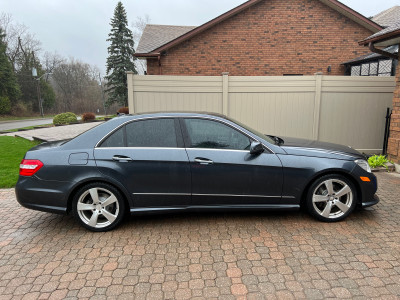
[(98, 207), (331, 198)]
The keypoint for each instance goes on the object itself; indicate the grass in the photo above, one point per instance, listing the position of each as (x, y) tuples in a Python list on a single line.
[(13, 118), (12, 151)]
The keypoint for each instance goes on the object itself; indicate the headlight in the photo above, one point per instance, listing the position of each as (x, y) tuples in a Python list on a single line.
[(363, 164)]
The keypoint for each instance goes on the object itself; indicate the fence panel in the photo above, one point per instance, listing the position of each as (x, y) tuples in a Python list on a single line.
[(338, 109)]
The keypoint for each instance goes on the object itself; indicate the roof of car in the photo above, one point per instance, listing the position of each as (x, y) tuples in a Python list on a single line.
[(174, 114)]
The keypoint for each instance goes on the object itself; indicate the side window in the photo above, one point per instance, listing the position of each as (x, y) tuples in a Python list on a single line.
[(114, 140), (211, 134), (151, 133)]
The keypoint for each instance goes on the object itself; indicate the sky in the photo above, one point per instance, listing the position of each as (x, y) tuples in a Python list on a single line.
[(79, 29)]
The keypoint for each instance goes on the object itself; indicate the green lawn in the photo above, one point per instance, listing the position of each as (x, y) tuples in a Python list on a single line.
[(13, 118), (12, 151)]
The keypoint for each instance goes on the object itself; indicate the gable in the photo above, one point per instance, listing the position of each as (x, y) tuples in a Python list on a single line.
[(336, 5)]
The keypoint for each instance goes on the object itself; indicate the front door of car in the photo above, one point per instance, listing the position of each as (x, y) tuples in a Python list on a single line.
[(148, 158), (223, 170)]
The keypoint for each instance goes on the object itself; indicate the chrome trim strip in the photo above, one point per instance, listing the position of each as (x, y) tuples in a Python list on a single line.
[(228, 195), (213, 195), (163, 194), (142, 148)]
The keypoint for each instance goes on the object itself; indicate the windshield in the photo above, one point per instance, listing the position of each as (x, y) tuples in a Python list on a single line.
[(253, 131)]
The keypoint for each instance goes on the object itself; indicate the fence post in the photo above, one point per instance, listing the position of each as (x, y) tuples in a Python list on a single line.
[(317, 104), (225, 93), (130, 93)]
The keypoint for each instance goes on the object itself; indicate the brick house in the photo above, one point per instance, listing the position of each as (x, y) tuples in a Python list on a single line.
[(261, 38), (375, 64), (388, 37)]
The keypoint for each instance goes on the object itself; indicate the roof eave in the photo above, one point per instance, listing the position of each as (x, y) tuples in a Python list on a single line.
[(148, 55), (384, 39)]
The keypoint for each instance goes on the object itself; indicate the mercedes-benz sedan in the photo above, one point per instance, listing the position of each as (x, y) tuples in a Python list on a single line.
[(190, 162)]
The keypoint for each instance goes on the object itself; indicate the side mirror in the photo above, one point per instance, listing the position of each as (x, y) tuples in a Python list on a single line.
[(256, 148)]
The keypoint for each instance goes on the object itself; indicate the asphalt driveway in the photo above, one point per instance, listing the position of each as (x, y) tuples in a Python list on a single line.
[(224, 256)]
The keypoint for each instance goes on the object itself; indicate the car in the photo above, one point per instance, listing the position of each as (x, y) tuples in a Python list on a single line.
[(170, 162)]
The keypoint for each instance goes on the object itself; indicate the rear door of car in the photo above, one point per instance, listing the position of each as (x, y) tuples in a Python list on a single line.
[(148, 157), (223, 170)]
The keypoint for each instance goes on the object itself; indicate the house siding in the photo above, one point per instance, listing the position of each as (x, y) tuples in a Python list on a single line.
[(271, 38)]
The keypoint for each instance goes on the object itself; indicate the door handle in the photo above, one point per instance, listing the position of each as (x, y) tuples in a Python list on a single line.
[(121, 158), (203, 161)]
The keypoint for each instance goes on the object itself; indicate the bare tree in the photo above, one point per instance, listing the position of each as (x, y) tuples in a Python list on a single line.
[(19, 41), (138, 27)]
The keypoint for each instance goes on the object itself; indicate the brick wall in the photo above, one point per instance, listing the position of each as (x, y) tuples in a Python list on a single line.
[(273, 37), (394, 137)]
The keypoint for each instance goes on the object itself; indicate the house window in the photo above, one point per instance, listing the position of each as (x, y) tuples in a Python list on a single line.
[(365, 70), (385, 68), (373, 69), (355, 70)]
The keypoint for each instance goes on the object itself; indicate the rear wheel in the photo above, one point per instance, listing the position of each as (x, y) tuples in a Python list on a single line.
[(98, 207), (331, 198)]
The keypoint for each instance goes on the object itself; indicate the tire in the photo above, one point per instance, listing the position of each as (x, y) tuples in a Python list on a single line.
[(98, 207), (331, 198)]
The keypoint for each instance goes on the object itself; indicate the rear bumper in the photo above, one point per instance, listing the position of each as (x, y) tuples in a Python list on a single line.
[(47, 196)]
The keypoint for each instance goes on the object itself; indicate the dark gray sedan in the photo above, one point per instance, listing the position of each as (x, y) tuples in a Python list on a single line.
[(190, 162)]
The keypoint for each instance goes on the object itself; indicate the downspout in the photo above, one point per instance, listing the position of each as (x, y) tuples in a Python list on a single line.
[(381, 52), (159, 64)]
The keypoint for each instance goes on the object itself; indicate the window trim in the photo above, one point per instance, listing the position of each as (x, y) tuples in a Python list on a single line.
[(187, 138), (179, 137)]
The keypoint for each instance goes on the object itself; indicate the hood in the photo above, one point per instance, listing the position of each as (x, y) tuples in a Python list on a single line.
[(305, 147)]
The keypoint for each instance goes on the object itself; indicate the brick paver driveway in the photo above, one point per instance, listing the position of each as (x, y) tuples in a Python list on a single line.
[(255, 255)]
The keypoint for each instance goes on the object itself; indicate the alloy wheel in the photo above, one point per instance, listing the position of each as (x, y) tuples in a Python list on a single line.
[(98, 207), (332, 198)]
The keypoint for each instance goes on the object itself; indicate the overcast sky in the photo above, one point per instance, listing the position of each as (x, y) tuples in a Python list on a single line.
[(80, 28)]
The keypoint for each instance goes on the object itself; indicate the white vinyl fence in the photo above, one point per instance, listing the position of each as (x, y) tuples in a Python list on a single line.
[(339, 109)]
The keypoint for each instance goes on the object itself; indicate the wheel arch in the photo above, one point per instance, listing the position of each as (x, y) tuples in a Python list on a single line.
[(330, 172), (105, 180)]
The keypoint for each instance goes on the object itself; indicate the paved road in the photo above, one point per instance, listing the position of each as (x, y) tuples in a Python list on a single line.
[(7, 125), (204, 256)]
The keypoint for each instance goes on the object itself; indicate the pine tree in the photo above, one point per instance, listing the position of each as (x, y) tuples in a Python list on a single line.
[(120, 59), (9, 89)]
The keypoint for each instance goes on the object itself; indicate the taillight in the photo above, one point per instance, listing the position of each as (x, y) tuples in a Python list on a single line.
[(28, 167)]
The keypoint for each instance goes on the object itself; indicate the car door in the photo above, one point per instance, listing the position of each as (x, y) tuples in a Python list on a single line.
[(223, 170), (148, 158)]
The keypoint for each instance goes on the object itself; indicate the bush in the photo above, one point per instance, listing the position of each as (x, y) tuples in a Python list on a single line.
[(65, 118), (378, 161), (21, 109), (88, 117), (123, 110), (5, 105)]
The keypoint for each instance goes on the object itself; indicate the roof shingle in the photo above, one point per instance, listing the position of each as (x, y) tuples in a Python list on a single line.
[(154, 36), (388, 17)]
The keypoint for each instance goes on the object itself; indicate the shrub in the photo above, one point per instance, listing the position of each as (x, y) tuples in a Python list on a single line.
[(123, 110), (65, 118), (5, 105), (21, 109), (378, 161), (88, 117)]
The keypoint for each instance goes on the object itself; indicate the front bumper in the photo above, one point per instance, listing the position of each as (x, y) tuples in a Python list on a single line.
[(43, 195), (367, 189), (370, 203)]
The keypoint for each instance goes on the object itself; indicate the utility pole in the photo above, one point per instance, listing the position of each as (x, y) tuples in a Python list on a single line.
[(34, 74)]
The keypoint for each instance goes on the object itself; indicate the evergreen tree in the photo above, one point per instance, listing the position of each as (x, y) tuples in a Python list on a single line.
[(120, 59), (9, 89)]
